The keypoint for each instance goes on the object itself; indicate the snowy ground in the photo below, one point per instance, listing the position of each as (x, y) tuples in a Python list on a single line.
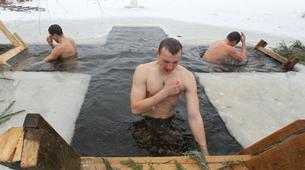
[(58, 96), (251, 110), (275, 17)]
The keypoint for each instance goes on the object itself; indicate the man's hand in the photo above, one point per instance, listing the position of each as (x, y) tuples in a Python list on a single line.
[(243, 37), (204, 149), (50, 41), (172, 88)]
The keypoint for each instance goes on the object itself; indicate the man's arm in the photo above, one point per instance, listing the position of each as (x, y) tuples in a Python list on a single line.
[(140, 104), (243, 54), (54, 54), (50, 42), (194, 116)]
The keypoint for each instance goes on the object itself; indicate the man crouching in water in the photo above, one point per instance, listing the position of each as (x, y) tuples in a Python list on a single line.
[(66, 47), (223, 50), (157, 85)]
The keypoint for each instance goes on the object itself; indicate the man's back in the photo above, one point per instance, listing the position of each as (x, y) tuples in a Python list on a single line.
[(217, 52), (67, 48), (221, 50)]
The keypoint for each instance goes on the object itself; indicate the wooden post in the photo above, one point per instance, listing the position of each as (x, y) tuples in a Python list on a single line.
[(8, 34), (287, 63), (44, 148), (18, 44)]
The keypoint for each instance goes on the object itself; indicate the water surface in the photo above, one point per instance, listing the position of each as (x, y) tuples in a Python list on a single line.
[(105, 124)]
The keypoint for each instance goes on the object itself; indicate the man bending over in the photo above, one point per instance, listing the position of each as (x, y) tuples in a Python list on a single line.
[(220, 50), (157, 85), (66, 47)]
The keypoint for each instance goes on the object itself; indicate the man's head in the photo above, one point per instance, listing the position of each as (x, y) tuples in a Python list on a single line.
[(169, 54), (234, 38), (55, 31)]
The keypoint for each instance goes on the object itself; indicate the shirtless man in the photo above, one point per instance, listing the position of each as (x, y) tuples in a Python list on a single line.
[(157, 85), (66, 47), (221, 49)]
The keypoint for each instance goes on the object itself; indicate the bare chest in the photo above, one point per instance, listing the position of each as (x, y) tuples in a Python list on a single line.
[(156, 83)]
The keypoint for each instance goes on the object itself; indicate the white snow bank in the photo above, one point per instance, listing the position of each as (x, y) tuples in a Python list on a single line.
[(57, 96), (278, 17)]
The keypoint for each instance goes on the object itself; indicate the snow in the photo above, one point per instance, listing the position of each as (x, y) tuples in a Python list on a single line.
[(278, 17)]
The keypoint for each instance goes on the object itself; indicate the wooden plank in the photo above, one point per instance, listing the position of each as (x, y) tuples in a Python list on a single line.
[(260, 46), (17, 42), (261, 43), (20, 41), (10, 54), (296, 127), (36, 121), (287, 63), (288, 155), (292, 61), (272, 55), (53, 151), (17, 155), (8, 34), (31, 144), (8, 144), (215, 162), (182, 159)]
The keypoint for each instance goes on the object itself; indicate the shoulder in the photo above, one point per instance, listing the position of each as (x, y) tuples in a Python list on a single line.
[(143, 70), (145, 67), (184, 72), (58, 48), (188, 78), (69, 39), (218, 43)]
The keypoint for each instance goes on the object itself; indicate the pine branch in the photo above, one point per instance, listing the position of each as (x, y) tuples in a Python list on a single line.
[(199, 158), (132, 164), (179, 166)]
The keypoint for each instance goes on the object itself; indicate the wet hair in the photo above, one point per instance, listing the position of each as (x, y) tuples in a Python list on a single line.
[(171, 44), (55, 29), (234, 36)]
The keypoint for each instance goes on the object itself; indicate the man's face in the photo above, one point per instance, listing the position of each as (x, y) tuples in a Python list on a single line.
[(54, 37), (168, 62)]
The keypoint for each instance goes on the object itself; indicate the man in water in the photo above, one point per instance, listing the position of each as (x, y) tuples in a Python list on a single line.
[(66, 47), (220, 50), (157, 85)]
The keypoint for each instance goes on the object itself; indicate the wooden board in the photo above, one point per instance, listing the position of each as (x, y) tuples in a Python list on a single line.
[(31, 144), (168, 163), (18, 44), (9, 35), (10, 53), (289, 155), (8, 143), (272, 55), (17, 155), (44, 148), (275, 138)]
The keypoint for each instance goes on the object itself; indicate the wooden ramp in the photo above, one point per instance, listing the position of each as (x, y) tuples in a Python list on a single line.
[(38, 146), (18, 44)]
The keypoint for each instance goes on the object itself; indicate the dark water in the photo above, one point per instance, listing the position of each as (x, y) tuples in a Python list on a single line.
[(4, 48), (105, 126)]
